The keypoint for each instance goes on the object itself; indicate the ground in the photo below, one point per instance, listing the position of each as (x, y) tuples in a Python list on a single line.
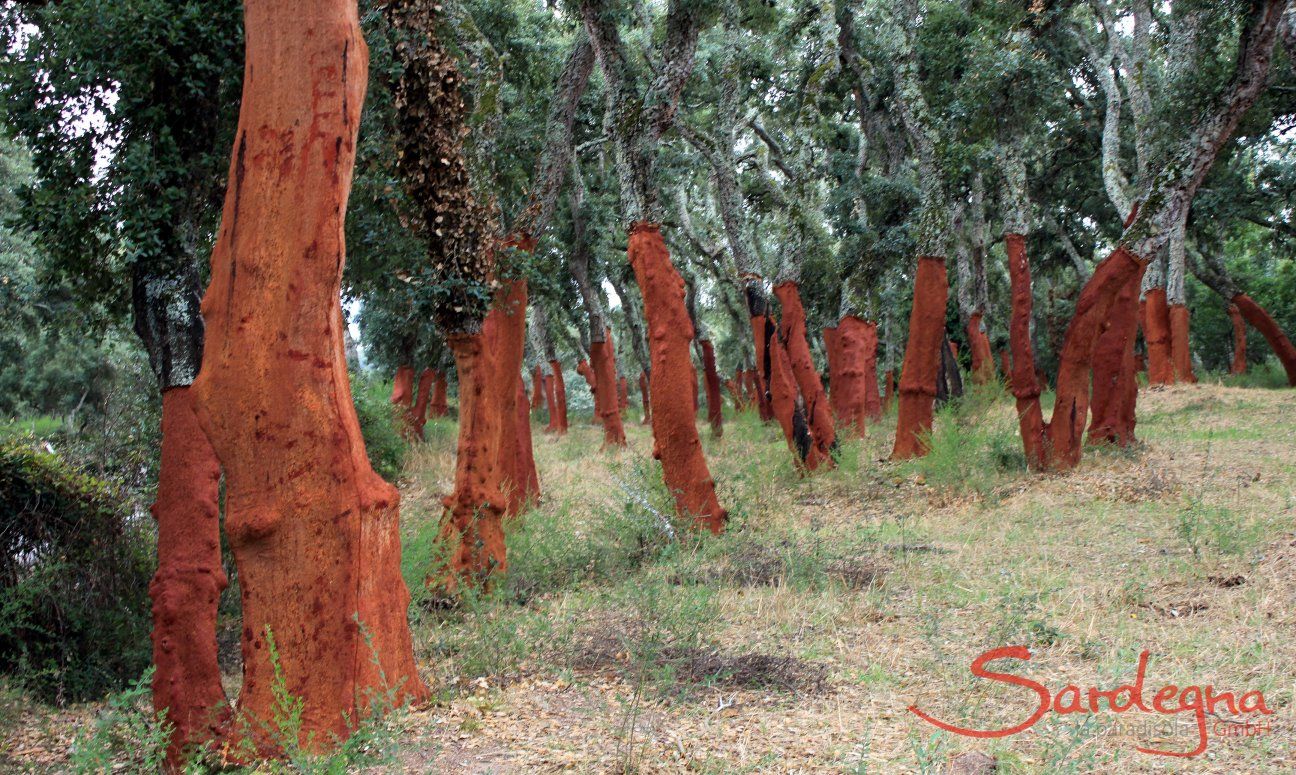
[(797, 642)]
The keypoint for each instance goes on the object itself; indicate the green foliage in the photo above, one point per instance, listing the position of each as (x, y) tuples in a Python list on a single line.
[(380, 424), (126, 733), (74, 571), (972, 448)]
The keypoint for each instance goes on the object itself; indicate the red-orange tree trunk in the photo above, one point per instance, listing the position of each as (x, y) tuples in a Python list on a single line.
[(1180, 351), (313, 530), (1115, 377), (890, 388), (643, 396), (788, 410), (606, 400), (524, 466), (834, 363), (1156, 332), (587, 372), (675, 437), (715, 412), (440, 405), (623, 394), (1025, 385), (1070, 412), (793, 330), (763, 331), (504, 332), (420, 413), (851, 383), (471, 528), (1268, 328), (538, 388), (983, 370), (403, 397), (558, 415), (872, 401), (1239, 340), (187, 585), (922, 359)]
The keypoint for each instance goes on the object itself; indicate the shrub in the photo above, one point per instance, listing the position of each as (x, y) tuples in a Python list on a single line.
[(380, 426), (74, 573)]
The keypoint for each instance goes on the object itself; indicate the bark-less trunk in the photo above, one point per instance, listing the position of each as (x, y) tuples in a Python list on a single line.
[(1169, 198), (313, 529), (602, 353), (640, 118), (1210, 270), (933, 237), (1177, 299), (189, 579)]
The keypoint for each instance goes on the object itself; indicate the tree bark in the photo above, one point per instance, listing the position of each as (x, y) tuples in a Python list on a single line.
[(856, 353), (1268, 328), (440, 406), (793, 333), (427, 379), (715, 407), (471, 527), (314, 531), (603, 362), (1025, 386), (504, 333), (675, 436), (983, 368), (1156, 332), (558, 415), (1239, 364), (402, 397), (187, 585), (922, 361), (1115, 379), (643, 396)]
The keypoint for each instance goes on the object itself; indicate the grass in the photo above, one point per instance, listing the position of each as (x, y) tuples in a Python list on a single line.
[(620, 641)]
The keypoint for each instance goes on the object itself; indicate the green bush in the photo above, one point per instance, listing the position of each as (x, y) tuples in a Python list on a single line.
[(380, 425), (74, 573)]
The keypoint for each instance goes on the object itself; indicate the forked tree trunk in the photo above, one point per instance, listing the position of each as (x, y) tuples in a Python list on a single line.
[(1070, 412), (675, 437), (558, 416), (1268, 328), (793, 333), (922, 361), (1239, 340), (420, 412), (715, 411), (1156, 332), (313, 530), (643, 396), (187, 585), (1115, 379), (983, 368), (1025, 386)]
